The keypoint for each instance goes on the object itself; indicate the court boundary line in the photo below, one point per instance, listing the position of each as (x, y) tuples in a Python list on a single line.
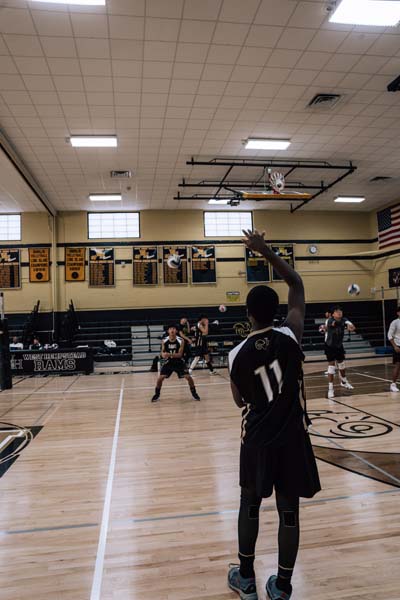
[(105, 520)]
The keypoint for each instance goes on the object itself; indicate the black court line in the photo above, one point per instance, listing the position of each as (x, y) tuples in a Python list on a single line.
[(23, 400), (361, 410)]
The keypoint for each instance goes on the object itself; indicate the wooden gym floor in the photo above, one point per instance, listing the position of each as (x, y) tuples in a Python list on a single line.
[(112, 497)]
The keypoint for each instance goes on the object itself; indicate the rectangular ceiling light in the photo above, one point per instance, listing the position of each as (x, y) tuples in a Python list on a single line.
[(81, 2), (381, 13), (350, 199), (266, 144), (93, 141), (216, 201), (105, 197)]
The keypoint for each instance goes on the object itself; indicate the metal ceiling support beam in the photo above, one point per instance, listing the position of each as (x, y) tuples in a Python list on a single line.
[(254, 162), (231, 197), (245, 184)]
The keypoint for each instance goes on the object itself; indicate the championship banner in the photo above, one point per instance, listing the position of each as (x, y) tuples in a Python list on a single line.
[(145, 265), (257, 267), (286, 253), (101, 267), (175, 267), (394, 278), (203, 264), (39, 265), (75, 264), (10, 269)]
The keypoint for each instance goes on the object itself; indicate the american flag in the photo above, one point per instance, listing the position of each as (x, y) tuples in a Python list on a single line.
[(389, 226)]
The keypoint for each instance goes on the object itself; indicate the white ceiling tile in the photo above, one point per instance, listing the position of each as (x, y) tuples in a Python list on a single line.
[(217, 72), (52, 23), (95, 67), (197, 32), (49, 110), (275, 13), (159, 8), (246, 74), (342, 62), (76, 111), (357, 42), (212, 87), (120, 111), (206, 9), (183, 86), (254, 56), (11, 82), (284, 58), (328, 41), (156, 100), (204, 101), (355, 80), (15, 20), (230, 33), (232, 101), (385, 45), (184, 70), (223, 54), (44, 98), (23, 45), (7, 65), (295, 38), (291, 91), (329, 78), (162, 30), (308, 14), (391, 67), (23, 110), (155, 86), (3, 47), (68, 83), (126, 84), (126, 68), (126, 7), (265, 90), (58, 46), (301, 77), (263, 36), (196, 53), (157, 69), (100, 98), (93, 47), (91, 25), (64, 66), (127, 99), (237, 11), (158, 51), (257, 103), (377, 82), (31, 66), (313, 60), (103, 84), (202, 113)]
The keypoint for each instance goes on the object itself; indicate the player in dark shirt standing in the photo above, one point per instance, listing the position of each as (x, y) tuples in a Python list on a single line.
[(201, 349), (276, 452), (335, 327), (184, 333), (172, 349)]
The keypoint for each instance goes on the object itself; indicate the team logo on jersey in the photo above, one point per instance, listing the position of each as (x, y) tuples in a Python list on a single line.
[(261, 344), (242, 329)]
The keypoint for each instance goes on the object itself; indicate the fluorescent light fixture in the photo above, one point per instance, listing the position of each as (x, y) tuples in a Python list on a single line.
[(93, 141), (381, 13), (81, 2), (105, 197), (266, 144), (216, 201), (350, 199)]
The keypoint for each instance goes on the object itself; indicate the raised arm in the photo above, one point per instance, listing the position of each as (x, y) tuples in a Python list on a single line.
[(296, 303)]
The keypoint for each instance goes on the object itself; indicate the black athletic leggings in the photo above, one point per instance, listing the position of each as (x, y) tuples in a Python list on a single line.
[(289, 529)]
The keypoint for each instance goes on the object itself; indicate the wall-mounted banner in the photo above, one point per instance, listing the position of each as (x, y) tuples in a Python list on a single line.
[(75, 264), (10, 269), (145, 265), (39, 265), (101, 267), (285, 252), (232, 296), (203, 264), (394, 278), (175, 267), (257, 267)]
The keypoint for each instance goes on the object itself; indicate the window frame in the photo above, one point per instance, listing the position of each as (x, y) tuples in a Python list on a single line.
[(20, 227), (228, 212), (113, 212)]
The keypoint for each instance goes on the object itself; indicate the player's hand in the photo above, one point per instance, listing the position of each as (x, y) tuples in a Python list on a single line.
[(254, 240), (397, 349)]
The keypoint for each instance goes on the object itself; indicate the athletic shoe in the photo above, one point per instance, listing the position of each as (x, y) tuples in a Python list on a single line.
[(246, 588), (213, 372), (331, 393), (190, 371), (394, 388), (195, 395), (273, 592), (155, 398), (326, 373), (346, 385)]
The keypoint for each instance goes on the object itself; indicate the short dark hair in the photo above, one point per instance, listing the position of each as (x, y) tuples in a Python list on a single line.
[(202, 317), (335, 308), (262, 304), (172, 327), (398, 309)]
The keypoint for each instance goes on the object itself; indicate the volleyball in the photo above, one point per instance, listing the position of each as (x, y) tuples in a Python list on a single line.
[(174, 261), (222, 308), (353, 289)]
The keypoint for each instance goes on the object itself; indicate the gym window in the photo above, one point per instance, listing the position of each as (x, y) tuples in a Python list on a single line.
[(113, 225), (218, 223), (10, 227)]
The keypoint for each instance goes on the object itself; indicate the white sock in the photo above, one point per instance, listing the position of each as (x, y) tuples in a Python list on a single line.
[(331, 386)]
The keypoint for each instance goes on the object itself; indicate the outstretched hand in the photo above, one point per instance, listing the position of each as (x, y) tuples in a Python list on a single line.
[(254, 240)]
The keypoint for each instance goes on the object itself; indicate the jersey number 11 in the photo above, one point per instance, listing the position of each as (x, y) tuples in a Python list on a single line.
[(274, 368)]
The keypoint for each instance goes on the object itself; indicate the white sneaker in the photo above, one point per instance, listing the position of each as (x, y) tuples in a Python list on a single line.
[(346, 385), (394, 388), (190, 371), (331, 393), (326, 373), (213, 372)]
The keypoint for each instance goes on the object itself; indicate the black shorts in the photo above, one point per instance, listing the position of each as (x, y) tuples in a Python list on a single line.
[(174, 366), (335, 354), (290, 469), (396, 357), (201, 350)]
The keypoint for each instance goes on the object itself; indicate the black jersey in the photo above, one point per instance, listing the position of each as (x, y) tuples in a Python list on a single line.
[(200, 337), (267, 370), (335, 331), (173, 346)]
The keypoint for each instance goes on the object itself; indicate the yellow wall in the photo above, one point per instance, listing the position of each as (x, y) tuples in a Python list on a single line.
[(325, 280)]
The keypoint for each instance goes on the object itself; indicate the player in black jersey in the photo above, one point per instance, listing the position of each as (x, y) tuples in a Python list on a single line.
[(172, 349), (276, 452), (184, 333), (201, 345), (335, 327)]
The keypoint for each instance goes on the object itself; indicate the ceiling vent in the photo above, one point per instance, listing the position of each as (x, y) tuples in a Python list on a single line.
[(380, 178), (120, 174), (324, 100)]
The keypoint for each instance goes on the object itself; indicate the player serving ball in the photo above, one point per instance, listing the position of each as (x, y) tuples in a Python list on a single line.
[(335, 353), (172, 348), (276, 452)]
